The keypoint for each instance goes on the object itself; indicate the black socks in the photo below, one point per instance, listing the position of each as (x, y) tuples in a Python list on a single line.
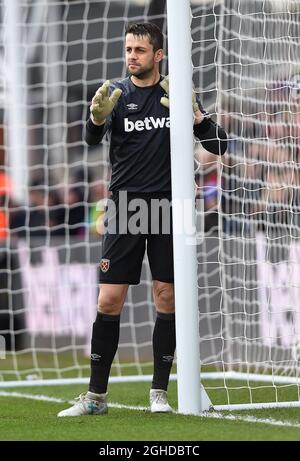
[(164, 344), (105, 340)]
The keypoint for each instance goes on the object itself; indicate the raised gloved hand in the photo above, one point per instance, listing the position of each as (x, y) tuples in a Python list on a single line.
[(103, 104), (165, 99)]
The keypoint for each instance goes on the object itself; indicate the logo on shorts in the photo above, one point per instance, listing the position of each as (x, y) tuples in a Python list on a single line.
[(104, 265)]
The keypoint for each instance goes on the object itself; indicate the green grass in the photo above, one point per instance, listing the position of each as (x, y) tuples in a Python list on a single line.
[(46, 365), (23, 419)]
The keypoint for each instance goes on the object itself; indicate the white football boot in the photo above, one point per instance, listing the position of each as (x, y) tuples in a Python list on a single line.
[(159, 401), (87, 404)]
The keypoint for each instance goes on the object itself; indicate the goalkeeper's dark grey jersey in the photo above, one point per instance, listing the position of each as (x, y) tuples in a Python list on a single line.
[(139, 128)]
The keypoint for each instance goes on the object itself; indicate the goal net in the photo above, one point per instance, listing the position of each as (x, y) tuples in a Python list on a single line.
[(249, 279), (53, 186)]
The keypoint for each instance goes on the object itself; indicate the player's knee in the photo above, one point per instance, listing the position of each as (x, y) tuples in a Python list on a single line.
[(110, 303), (164, 299)]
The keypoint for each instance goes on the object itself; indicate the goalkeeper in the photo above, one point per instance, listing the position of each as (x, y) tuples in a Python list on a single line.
[(135, 111)]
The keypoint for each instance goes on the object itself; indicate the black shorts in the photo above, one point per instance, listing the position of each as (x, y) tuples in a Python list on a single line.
[(129, 234)]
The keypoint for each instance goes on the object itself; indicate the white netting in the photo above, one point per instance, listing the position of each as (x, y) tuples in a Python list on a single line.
[(51, 249), (261, 198), (252, 323), (245, 57)]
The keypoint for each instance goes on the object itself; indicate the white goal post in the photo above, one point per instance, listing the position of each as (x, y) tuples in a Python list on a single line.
[(192, 398), (244, 60)]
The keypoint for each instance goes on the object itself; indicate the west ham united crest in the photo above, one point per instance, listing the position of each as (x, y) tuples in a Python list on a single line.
[(104, 265)]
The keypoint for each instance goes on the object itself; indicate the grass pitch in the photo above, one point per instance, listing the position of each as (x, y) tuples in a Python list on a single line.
[(23, 418)]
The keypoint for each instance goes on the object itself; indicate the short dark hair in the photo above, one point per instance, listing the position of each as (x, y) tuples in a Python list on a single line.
[(148, 29)]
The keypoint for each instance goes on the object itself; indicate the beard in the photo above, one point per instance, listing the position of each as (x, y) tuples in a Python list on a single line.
[(142, 73)]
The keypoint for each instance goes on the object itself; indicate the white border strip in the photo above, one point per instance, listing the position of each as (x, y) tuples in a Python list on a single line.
[(227, 375), (66, 381), (274, 379), (256, 406)]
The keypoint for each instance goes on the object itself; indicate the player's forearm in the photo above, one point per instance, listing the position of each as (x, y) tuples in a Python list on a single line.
[(94, 133), (213, 138)]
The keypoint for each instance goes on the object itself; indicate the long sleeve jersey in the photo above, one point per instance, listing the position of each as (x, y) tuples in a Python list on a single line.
[(139, 129)]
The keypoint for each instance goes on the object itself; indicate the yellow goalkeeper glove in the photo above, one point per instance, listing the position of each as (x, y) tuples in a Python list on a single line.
[(165, 99), (103, 104)]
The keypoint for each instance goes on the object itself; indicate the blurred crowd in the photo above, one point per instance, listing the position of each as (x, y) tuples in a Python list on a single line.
[(258, 189), (52, 210), (261, 174)]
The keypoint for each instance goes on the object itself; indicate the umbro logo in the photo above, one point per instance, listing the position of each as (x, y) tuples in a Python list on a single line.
[(95, 357), (132, 106), (167, 358)]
